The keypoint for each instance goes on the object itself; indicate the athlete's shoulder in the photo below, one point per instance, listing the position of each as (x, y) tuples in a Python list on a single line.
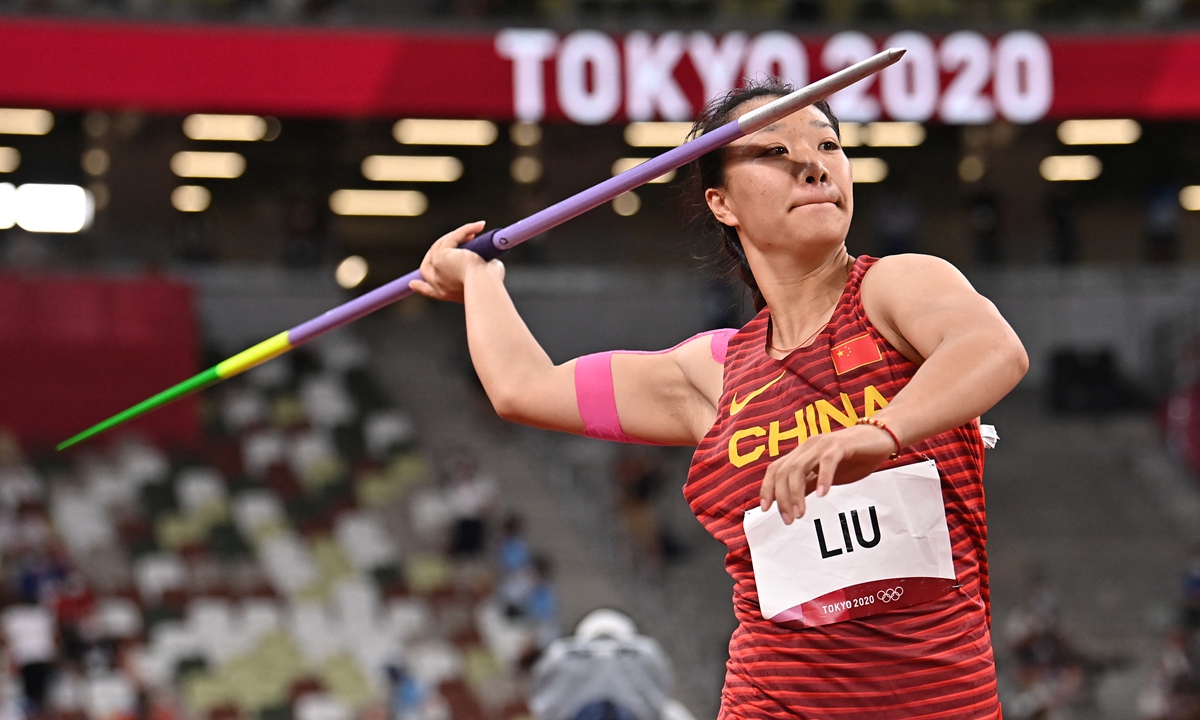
[(908, 265), (912, 273), (710, 344)]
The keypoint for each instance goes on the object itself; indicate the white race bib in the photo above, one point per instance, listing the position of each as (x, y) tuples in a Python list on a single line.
[(866, 547)]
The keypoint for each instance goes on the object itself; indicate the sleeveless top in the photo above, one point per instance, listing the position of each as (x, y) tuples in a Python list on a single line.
[(932, 660)]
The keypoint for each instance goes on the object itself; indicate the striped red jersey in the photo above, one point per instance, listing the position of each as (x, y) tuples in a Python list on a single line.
[(932, 660)]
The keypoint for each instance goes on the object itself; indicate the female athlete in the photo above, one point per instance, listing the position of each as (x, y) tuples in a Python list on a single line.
[(838, 448)]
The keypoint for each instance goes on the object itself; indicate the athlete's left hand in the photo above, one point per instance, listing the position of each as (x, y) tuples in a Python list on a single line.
[(821, 462)]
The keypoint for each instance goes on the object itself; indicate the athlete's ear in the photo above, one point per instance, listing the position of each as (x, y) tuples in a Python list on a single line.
[(719, 205)]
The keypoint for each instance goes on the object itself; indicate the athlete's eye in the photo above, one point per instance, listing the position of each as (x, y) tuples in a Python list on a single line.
[(777, 150), (829, 145)]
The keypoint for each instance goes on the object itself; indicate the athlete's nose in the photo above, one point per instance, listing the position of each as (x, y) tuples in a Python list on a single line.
[(811, 171), (815, 174)]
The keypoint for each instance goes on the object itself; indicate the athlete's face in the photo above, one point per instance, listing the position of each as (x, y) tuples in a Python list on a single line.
[(787, 185)]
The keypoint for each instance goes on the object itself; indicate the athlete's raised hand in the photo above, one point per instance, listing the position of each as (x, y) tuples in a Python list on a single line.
[(446, 265), (821, 462)]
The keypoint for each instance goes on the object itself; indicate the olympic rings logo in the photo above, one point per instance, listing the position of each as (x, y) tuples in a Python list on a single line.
[(890, 595)]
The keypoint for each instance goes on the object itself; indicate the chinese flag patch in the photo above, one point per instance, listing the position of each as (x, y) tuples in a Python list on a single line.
[(854, 353)]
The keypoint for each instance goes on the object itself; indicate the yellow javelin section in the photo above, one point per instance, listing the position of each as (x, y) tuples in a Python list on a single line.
[(257, 355)]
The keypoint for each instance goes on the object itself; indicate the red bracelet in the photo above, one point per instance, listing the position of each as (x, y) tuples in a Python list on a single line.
[(876, 423)]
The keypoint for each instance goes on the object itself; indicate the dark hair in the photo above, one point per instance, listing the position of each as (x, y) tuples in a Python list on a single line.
[(709, 172)]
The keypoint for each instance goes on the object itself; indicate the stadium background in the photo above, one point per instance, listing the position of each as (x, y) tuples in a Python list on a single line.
[(183, 178)]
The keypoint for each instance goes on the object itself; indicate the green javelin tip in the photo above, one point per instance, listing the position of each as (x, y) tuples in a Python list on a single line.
[(240, 363), (187, 387)]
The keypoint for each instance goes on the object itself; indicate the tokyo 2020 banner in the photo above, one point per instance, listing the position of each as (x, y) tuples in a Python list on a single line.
[(586, 76)]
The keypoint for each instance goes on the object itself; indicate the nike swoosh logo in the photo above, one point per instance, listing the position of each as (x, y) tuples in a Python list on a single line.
[(735, 407)]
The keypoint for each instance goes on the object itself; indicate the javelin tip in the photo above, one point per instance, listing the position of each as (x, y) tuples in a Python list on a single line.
[(894, 54)]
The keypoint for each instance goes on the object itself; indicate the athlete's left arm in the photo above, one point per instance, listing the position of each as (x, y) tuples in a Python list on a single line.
[(969, 359)]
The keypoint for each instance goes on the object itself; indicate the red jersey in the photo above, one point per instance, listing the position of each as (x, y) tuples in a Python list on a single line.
[(932, 660)]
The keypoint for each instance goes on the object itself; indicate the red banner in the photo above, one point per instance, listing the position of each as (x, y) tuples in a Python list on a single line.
[(76, 350), (585, 76)]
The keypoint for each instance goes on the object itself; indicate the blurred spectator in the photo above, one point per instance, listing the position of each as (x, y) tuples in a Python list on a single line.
[(514, 552), (469, 497), (1173, 692), (29, 638), (302, 233), (1061, 210), (605, 671), (1050, 674), (1191, 594), (19, 483), (541, 606), (897, 221), (1167, 696), (74, 603), (983, 215), (40, 571), (407, 697), (1162, 225), (639, 480)]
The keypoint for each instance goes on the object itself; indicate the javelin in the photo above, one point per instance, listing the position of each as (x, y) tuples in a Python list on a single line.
[(494, 243)]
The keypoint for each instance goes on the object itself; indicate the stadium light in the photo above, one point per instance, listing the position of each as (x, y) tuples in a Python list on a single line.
[(868, 169), (21, 121), (656, 134), (191, 164), (95, 162), (238, 128), (351, 272), (623, 164), (1189, 197), (1062, 168), (525, 169), (406, 168), (10, 159), (626, 204), (971, 168), (894, 134), (881, 134), (851, 134), (445, 132), (387, 203), (525, 134), (191, 198), (46, 208), (1099, 132)]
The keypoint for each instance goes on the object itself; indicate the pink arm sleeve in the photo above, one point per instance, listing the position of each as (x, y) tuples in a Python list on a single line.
[(594, 387)]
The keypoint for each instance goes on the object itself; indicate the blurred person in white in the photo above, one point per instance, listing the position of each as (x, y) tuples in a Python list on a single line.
[(29, 634), (605, 671), (1168, 693), (19, 483)]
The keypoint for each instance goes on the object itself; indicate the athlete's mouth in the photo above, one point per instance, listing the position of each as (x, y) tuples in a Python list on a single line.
[(823, 201)]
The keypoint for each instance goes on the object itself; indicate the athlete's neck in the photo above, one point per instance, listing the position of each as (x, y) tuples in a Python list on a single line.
[(802, 299)]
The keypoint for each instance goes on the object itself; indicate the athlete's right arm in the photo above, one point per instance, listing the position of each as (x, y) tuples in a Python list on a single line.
[(667, 398)]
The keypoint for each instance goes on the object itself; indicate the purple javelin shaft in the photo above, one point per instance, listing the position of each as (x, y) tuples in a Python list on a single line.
[(495, 242)]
